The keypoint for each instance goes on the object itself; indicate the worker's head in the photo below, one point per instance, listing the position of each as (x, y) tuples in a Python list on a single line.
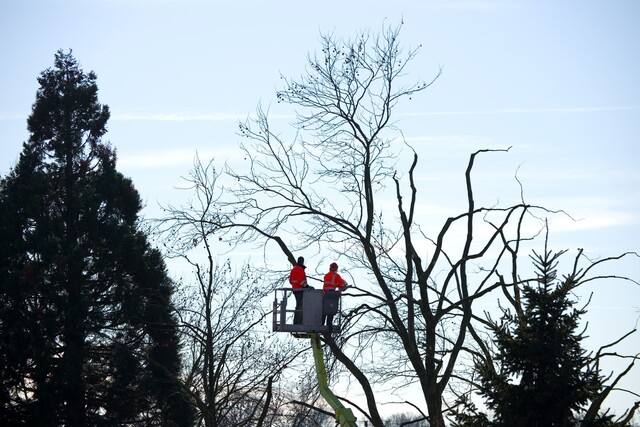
[(333, 266), (300, 262)]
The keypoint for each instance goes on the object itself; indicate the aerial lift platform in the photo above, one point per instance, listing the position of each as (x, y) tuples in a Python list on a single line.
[(315, 304)]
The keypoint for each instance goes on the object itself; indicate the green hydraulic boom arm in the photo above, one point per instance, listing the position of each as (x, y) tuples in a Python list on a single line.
[(343, 415)]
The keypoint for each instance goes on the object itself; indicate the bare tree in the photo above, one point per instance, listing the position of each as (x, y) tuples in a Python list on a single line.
[(405, 419), (232, 359), (346, 142), (345, 184)]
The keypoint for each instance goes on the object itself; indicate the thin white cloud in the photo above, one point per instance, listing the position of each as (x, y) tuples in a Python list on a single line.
[(590, 213), (183, 117), (156, 2), (186, 117), (448, 143), (577, 174), (450, 138), (13, 116), (176, 157), (473, 5), (595, 220), (156, 159), (580, 214), (549, 110), (176, 117)]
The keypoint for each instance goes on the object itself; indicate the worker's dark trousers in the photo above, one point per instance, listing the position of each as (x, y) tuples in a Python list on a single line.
[(297, 316), (330, 306)]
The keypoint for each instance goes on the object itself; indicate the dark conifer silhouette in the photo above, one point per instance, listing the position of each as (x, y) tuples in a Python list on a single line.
[(87, 331), (541, 375)]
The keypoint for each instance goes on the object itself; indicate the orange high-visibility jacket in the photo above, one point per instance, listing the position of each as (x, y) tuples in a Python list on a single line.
[(332, 280), (298, 278)]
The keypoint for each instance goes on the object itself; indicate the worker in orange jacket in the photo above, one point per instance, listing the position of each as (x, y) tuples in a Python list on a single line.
[(332, 280), (332, 283), (298, 280)]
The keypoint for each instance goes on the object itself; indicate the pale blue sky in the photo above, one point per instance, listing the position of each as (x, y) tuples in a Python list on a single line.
[(558, 81)]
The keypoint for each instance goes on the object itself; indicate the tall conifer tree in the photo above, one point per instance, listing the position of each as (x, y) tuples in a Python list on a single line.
[(542, 376), (87, 332)]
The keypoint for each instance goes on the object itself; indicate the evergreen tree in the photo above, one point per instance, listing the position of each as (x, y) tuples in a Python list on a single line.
[(542, 377), (87, 332)]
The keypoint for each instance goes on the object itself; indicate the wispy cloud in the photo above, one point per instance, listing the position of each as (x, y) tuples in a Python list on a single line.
[(175, 157), (176, 117), (186, 117), (156, 159), (549, 110), (474, 5), (595, 220), (447, 140), (591, 213), (13, 116), (155, 2), (220, 117)]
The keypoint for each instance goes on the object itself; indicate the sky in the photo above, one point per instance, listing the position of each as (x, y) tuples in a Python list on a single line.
[(558, 82)]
